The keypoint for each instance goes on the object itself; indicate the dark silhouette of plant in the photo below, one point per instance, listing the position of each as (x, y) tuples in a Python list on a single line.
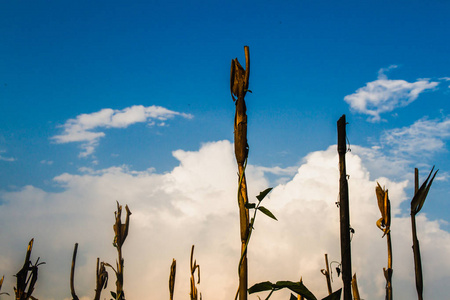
[(384, 223), (326, 273), (72, 272), (101, 281), (194, 292), (173, 271), (27, 276), (121, 232), (417, 202), (344, 211)]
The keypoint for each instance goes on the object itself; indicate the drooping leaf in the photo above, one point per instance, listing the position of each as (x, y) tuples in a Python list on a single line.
[(296, 287), (263, 194), (249, 205), (380, 198), (114, 295), (293, 297), (334, 296), (267, 212), (261, 287)]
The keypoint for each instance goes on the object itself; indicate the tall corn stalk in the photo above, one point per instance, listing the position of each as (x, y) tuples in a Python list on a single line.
[(417, 202), (384, 223), (239, 86), (194, 292), (121, 233), (344, 211)]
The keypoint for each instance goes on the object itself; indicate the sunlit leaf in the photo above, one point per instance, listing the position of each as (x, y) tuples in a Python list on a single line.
[(267, 212), (263, 194)]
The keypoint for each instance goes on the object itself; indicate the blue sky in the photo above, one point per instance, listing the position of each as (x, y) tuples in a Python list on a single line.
[(88, 87)]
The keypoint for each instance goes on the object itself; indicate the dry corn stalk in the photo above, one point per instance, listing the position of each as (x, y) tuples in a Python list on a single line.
[(417, 202), (239, 79), (173, 270), (344, 211), (384, 223), (326, 273), (121, 233), (72, 272), (101, 281), (27, 276), (194, 266)]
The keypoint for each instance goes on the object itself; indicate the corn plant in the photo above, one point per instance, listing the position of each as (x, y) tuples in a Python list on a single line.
[(326, 273), (72, 273), (239, 79), (194, 292), (296, 287), (121, 232), (344, 211), (27, 276), (101, 281), (173, 270), (384, 223), (101, 277), (417, 202)]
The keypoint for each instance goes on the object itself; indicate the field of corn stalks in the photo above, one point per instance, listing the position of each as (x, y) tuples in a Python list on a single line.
[(336, 269)]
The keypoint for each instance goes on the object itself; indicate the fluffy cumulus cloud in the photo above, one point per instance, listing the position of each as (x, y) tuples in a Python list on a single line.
[(86, 128), (384, 95), (424, 137), (195, 203)]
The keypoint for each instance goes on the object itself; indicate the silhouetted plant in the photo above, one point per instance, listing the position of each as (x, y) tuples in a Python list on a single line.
[(194, 266), (121, 232), (326, 273), (417, 202), (27, 276), (384, 223), (173, 271)]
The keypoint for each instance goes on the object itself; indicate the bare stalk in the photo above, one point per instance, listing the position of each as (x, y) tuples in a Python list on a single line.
[(72, 272), (326, 272), (173, 270), (344, 211), (239, 86)]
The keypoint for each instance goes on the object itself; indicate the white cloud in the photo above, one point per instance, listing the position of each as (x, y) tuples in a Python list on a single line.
[(84, 128), (384, 95), (5, 158), (424, 137), (47, 162), (195, 203)]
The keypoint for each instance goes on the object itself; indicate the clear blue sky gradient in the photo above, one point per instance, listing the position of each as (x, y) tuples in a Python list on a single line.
[(60, 59)]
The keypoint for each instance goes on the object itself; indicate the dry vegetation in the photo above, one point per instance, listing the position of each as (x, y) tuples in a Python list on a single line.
[(239, 81)]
